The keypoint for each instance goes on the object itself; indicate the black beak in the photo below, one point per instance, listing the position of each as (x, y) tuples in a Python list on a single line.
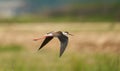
[(70, 34)]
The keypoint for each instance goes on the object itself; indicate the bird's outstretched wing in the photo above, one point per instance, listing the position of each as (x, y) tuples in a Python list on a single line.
[(63, 41), (47, 39)]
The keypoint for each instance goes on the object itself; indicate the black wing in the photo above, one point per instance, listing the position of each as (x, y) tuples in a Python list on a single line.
[(47, 39), (64, 41)]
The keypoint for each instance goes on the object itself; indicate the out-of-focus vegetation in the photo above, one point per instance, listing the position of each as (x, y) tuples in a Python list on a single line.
[(45, 61), (60, 11), (92, 48), (58, 19), (10, 48)]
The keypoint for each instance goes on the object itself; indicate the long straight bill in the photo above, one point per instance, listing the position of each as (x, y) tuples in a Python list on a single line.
[(70, 34)]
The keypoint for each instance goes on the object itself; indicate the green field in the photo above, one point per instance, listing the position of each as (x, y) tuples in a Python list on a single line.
[(91, 18), (14, 60), (94, 47)]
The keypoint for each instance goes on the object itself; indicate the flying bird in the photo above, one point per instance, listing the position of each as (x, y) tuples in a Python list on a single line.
[(62, 36)]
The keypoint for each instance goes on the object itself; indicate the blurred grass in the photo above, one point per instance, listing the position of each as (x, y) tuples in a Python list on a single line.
[(43, 61), (10, 48), (32, 19), (15, 58)]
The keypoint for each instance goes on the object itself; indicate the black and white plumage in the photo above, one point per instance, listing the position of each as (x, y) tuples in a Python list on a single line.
[(62, 36)]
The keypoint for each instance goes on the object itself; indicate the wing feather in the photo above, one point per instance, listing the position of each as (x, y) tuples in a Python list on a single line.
[(63, 41), (47, 39)]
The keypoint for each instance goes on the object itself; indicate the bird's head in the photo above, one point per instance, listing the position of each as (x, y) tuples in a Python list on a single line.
[(67, 33)]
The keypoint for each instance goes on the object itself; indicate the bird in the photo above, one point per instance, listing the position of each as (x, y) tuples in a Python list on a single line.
[(62, 36)]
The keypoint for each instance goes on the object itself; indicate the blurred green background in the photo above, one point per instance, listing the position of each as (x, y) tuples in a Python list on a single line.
[(59, 10), (95, 25)]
